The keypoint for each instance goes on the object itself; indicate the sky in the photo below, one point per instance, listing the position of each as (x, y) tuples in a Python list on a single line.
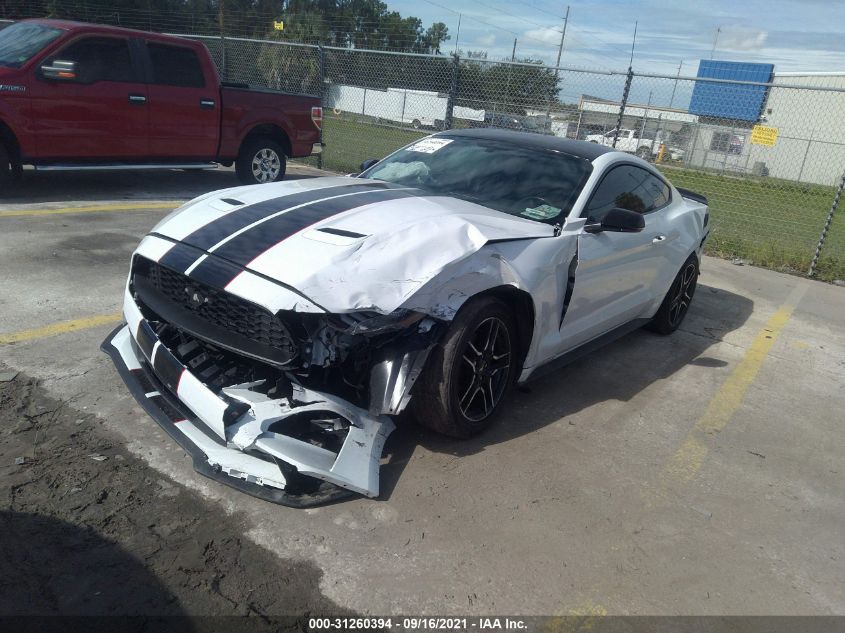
[(794, 35)]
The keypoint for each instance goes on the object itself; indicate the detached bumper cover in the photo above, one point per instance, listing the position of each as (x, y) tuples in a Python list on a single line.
[(228, 435)]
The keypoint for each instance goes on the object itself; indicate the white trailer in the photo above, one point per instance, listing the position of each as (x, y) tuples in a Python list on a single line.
[(418, 108)]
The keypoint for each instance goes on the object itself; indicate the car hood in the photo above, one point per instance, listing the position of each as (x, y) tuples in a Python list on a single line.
[(347, 244)]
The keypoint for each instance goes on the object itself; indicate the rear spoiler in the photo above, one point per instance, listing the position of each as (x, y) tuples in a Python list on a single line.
[(686, 193)]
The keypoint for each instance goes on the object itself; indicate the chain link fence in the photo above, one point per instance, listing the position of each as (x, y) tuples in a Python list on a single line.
[(769, 156)]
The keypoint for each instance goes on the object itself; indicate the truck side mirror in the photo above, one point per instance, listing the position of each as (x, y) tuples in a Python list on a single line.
[(368, 163), (60, 70)]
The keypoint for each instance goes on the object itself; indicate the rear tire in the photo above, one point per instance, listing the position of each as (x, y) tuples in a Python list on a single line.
[(676, 303), (260, 161), (470, 373)]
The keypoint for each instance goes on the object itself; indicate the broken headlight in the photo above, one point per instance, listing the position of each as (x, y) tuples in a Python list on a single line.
[(382, 323)]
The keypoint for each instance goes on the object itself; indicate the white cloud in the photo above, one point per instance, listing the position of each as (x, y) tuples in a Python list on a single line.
[(486, 40), (741, 39), (547, 35)]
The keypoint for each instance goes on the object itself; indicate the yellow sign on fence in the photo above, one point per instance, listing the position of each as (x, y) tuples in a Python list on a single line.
[(762, 135), (279, 26)]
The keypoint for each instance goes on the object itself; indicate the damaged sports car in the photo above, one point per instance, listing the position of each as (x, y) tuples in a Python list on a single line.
[(276, 331)]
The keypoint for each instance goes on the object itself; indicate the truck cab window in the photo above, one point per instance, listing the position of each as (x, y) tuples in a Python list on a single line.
[(175, 66), (100, 59)]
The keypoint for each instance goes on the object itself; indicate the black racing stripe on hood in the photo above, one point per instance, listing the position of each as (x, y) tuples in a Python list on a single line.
[(250, 244), (215, 272), (221, 228), (180, 257)]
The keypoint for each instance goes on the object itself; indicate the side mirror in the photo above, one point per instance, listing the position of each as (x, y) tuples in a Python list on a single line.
[(60, 71), (619, 220), (368, 163)]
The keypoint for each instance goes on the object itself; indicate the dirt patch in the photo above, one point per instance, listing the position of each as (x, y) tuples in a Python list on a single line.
[(88, 529)]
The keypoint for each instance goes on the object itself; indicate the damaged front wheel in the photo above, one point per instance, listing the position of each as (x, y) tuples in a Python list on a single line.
[(468, 377)]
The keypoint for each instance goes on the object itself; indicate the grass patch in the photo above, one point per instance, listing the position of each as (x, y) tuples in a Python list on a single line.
[(770, 222), (351, 139)]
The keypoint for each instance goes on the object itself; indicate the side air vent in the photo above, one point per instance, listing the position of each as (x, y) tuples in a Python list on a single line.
[(232, 201)]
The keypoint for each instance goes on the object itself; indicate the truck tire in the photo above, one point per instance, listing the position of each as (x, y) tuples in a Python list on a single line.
[(260, 161), (6, 170), (470, 373)]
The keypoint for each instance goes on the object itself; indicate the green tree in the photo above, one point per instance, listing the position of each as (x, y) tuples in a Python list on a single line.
[(434, 36)]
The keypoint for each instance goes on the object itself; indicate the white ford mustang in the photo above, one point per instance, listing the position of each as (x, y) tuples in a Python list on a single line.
[(275, 330)]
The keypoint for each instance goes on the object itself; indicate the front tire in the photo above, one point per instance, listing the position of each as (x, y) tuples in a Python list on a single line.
[(469, 375), (260, 161), (676, 303), (6, 169)]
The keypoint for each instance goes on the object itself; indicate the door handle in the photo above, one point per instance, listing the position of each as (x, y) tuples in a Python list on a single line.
[(137, 99), (207, 104), (658, 239)]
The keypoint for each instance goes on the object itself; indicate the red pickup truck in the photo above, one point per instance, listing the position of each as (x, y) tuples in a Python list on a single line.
[(85, 96)]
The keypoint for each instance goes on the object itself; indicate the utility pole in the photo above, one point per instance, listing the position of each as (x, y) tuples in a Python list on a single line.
[(562, 36), (557, 65), (458, 34), (715, 39), (633, 44), (513, 53), (675, 87)]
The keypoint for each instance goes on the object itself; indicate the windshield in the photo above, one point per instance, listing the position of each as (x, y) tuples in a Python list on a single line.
[(539, 184), (20, 41)]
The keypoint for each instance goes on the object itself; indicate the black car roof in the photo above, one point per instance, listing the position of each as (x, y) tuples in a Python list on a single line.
[(582, 149)]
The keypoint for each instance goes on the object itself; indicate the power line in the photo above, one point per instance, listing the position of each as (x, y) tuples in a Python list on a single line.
[(537, 24), (536, 8), (474, 19)]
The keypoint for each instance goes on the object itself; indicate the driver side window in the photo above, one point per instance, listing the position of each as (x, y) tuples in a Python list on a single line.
[(628, 187), (100, 59)]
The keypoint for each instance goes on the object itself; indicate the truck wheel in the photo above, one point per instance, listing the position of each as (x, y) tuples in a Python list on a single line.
[(6, 172), (469, 374), (261, 160)]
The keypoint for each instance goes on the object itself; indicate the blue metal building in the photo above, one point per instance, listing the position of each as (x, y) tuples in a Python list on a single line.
[(737, 102)]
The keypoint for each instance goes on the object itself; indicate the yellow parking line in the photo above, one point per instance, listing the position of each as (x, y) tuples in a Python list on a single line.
[(60, 328), (687, 460), (138, 206)]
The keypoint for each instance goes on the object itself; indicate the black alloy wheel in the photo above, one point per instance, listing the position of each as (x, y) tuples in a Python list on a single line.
[(485, 369)]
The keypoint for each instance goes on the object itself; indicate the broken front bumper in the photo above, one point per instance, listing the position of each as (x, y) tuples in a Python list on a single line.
[(237, 436)]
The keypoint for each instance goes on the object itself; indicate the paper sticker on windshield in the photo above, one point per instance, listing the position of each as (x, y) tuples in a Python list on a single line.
[(543, 212), (430, 145)]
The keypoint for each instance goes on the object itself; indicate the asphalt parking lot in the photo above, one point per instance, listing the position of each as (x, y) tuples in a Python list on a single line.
[(700, 473)]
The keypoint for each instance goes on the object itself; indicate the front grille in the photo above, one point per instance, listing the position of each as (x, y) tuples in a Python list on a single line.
[(222, 310)]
